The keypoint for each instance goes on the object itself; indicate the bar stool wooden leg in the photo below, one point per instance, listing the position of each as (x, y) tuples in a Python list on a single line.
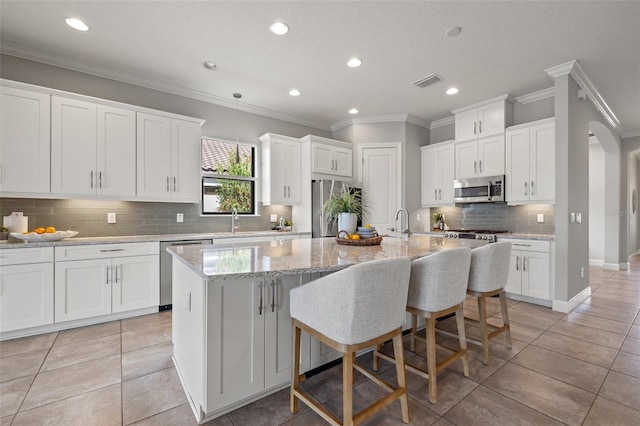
[(376, 358), (400, 372), (414, 330), (295, 380), (482, 309), (505, 317), (431, 358), (463, 340), (347, 389)]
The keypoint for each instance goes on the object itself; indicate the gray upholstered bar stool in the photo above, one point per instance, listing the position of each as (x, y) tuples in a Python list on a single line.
[(349, 310), (437, 288), (488, 276)]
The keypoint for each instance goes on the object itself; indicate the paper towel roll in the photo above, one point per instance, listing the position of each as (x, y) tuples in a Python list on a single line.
[(16, 222)]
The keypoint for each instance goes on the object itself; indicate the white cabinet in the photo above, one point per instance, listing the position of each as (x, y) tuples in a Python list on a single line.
[(480, 121), (281, 169), (26, 288), (437, 166), (330, 157), (103, 279), (24, 141), (168, 159), (530, 162), (484, 157), (92, 149), (529, 273)]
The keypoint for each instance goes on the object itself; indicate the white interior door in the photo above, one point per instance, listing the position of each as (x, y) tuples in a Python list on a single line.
[(381, 179)]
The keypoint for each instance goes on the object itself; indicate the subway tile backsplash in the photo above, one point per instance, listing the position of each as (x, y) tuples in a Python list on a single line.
[(89, 217), (519, 219)]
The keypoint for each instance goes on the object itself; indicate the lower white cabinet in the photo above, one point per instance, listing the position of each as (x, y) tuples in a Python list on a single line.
[(105, 279), (529, 271), (26, 288)]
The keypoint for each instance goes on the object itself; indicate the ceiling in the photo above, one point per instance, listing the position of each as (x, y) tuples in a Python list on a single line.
[(504, 48)]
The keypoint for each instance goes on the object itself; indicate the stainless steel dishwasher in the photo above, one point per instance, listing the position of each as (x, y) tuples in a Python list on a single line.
[(165, 269)]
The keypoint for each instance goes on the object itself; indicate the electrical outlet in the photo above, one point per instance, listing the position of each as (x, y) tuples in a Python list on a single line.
[(540, 217), (180, 217), (418, 217), (111, 218), (581, 272), (578, 217), (572, 218), (273, 218)]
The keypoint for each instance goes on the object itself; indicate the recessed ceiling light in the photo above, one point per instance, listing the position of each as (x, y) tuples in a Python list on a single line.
[(209, 65), (453, 31), (354, 62), (76, 24), (294, 92), (279, 28), (452, 91), (353, 111)]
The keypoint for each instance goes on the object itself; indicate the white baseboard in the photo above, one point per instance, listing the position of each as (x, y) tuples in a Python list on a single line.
[(611, 266), (596, 262), (566, 307)]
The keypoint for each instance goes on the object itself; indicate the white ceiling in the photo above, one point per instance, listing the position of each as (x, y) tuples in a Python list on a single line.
[(504, 47)]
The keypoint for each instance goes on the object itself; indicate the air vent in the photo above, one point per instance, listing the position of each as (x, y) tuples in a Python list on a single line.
[(428, 80)]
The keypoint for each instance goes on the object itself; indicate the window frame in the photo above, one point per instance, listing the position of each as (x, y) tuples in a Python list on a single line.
[(252, 179)]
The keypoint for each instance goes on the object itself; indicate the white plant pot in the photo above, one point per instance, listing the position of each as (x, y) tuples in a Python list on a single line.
[(348, 222)]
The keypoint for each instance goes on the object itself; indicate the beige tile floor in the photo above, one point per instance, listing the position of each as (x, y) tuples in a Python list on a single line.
[(580, 368)]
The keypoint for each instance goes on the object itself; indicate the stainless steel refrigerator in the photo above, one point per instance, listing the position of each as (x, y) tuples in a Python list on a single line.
[(321, 190)]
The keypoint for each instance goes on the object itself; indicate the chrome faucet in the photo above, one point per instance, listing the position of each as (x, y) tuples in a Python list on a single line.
[(407, 230), (234, 220)]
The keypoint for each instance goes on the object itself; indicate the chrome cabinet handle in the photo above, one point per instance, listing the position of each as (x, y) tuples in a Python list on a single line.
[(440, 194), (475, 167), (525, 187), (522, 245), (100, 180), (168, 184), (260, 306), (288, 191), (91, 179), (285, 191), (531, 187), (474, 127), (175, 184), (517, 263), (110, 250), (524, 265), (480, 126), (435, 194), (480, 166), (273, 295), (189, 301), (108, 275)]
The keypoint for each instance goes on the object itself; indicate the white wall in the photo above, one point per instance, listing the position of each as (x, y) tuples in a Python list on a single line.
[(596, 204)]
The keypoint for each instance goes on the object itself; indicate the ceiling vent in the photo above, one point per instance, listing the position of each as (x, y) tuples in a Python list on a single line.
[(428, 80)]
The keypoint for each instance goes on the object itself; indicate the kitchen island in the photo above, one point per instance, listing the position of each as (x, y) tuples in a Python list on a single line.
[(231, 323)]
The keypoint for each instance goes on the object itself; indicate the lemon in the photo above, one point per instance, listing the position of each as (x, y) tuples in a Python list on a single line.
[(355, 237), (368, 225)]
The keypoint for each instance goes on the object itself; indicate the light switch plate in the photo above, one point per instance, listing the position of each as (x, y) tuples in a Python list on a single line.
[(179, 217), (273, 218), (578, 217), (111, 218), (540, 217), (418, 217), (572, 217)]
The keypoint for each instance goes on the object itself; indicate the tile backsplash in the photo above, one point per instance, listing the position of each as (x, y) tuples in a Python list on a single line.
[(520, 219), (89, 217)]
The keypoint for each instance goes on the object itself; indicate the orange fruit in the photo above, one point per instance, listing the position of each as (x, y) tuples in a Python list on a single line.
[(39, 230), (355, 237), (50, 230)]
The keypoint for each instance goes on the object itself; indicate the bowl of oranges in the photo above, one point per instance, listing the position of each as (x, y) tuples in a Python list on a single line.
[(44, 234)]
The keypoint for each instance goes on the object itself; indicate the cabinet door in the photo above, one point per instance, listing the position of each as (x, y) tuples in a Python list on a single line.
[(543, 165), (278, 156), (293, 173), (491, 119), (466, 124), (344, 162), (491, 156), (136, 283), (535, 274), (517, 165), (24, 141), (82, 289), (235, 371), (116, 151), (185, 160), (466, 159), (323, 159), (430, 177), (514, 283), (153, 150), (73, 147), (446, 166), (277, 344), (26, 296)]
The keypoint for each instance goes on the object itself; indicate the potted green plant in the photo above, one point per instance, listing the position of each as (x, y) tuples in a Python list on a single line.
[(347, 207), (437, 219)]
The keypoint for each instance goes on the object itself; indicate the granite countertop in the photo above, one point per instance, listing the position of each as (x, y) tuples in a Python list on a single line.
[(300, 256), (143, 238)]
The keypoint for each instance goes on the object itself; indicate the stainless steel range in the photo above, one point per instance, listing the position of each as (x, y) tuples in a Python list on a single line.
[(488, 235)]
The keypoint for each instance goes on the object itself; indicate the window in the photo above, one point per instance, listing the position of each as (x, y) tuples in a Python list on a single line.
[(228, 177)]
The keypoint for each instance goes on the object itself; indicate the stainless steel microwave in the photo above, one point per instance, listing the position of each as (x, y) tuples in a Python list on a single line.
[(489, 189)]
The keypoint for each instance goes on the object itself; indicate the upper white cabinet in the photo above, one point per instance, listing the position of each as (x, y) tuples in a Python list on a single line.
[(168, 158), (482, 120), (484, 157), (92, 149), (330, 157), (281, 170), (24, 141), (530, 162), (437, 167)]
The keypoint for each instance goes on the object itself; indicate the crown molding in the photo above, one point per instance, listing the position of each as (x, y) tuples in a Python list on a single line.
[(549, 92), (631, 135), (443, 122), (385, 118), (574, 69), (506, 97), (112, 74)]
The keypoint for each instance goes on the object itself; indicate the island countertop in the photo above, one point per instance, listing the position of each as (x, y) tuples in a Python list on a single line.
[(251, 260)]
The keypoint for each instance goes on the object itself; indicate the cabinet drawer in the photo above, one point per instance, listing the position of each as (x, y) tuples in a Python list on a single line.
[(528, 245), (100, 251), (21, 256)]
